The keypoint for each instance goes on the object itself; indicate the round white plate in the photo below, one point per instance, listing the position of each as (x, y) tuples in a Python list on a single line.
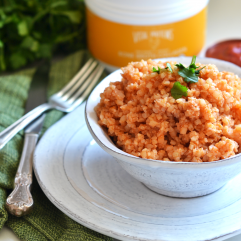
[(90, 187)]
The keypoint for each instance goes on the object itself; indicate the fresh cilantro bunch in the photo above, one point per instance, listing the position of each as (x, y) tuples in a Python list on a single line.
[(35, 29)]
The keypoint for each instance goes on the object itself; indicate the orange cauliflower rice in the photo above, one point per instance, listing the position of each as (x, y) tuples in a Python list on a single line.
[(144, 120)]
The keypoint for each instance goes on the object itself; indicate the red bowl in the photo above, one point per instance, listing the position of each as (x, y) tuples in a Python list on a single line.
[(229, 50)]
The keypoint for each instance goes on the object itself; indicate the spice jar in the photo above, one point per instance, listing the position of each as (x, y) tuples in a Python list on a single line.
[(119, 32)]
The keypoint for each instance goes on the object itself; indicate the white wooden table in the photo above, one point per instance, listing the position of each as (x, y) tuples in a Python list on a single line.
[(224, 20)]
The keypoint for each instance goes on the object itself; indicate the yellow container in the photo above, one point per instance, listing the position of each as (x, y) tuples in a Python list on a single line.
[(130, 30)]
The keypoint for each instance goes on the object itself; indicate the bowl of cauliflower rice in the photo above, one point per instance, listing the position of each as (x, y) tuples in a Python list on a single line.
[(174, 124)]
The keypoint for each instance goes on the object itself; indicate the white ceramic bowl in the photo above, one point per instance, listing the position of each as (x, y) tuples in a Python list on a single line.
[(176, 179)]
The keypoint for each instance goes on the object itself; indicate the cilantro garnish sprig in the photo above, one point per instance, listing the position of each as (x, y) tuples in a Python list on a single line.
[(189, 74), (156, 70), (169, 67), (159, 70), (178, 90)]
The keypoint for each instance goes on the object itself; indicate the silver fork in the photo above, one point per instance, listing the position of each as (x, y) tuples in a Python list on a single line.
[(66, 100)]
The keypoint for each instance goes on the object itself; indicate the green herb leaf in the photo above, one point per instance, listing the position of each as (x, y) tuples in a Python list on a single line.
[(169, 67), (189, 74), (178, 90), (74, 16), (159, 70), (156, 70), (22, 28), (58, 3), (198, 71), (193, 65), (44, 51), (34, 29), (30, 43), (2, 61), (17, 60), (180, 66)]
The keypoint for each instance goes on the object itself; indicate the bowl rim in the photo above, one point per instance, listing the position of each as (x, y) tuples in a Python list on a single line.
[(138, 160)]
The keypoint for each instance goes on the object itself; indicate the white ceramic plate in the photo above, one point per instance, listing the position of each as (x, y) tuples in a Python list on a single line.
[(90, 187)]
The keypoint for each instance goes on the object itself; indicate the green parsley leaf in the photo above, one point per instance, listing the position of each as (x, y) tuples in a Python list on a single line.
[(198, 71), (17, 60), (178, 90), (23, 28), (34, 29), (30, 43), (74, 16), (189, 74), (169, 67), (2, 60), (156, 70), (193, 65), (180, 66)]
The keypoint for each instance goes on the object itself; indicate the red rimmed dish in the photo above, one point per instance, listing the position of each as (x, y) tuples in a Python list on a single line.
[(229, 50)]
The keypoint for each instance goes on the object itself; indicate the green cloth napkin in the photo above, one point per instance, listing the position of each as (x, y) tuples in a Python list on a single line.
[(46, 222)]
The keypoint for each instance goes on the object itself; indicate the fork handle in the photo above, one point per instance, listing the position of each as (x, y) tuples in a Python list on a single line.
[(17, 126), (20, 201)]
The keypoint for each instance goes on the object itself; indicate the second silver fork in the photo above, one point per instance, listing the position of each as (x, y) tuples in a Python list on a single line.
[(66, 100)]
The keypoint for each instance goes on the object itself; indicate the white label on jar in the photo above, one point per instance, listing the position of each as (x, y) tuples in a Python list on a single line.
[(165, 34), (126, 54), (139, 36)]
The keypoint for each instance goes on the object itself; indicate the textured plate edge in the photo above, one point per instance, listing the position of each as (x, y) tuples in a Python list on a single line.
[(68, 212), (92, 226)]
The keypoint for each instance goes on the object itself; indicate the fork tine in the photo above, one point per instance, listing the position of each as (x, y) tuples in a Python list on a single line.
[(80, 90), (79, 82), (79, 97), (75, 78)]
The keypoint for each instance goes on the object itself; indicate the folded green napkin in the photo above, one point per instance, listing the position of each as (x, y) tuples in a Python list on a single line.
[(46, 222)]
